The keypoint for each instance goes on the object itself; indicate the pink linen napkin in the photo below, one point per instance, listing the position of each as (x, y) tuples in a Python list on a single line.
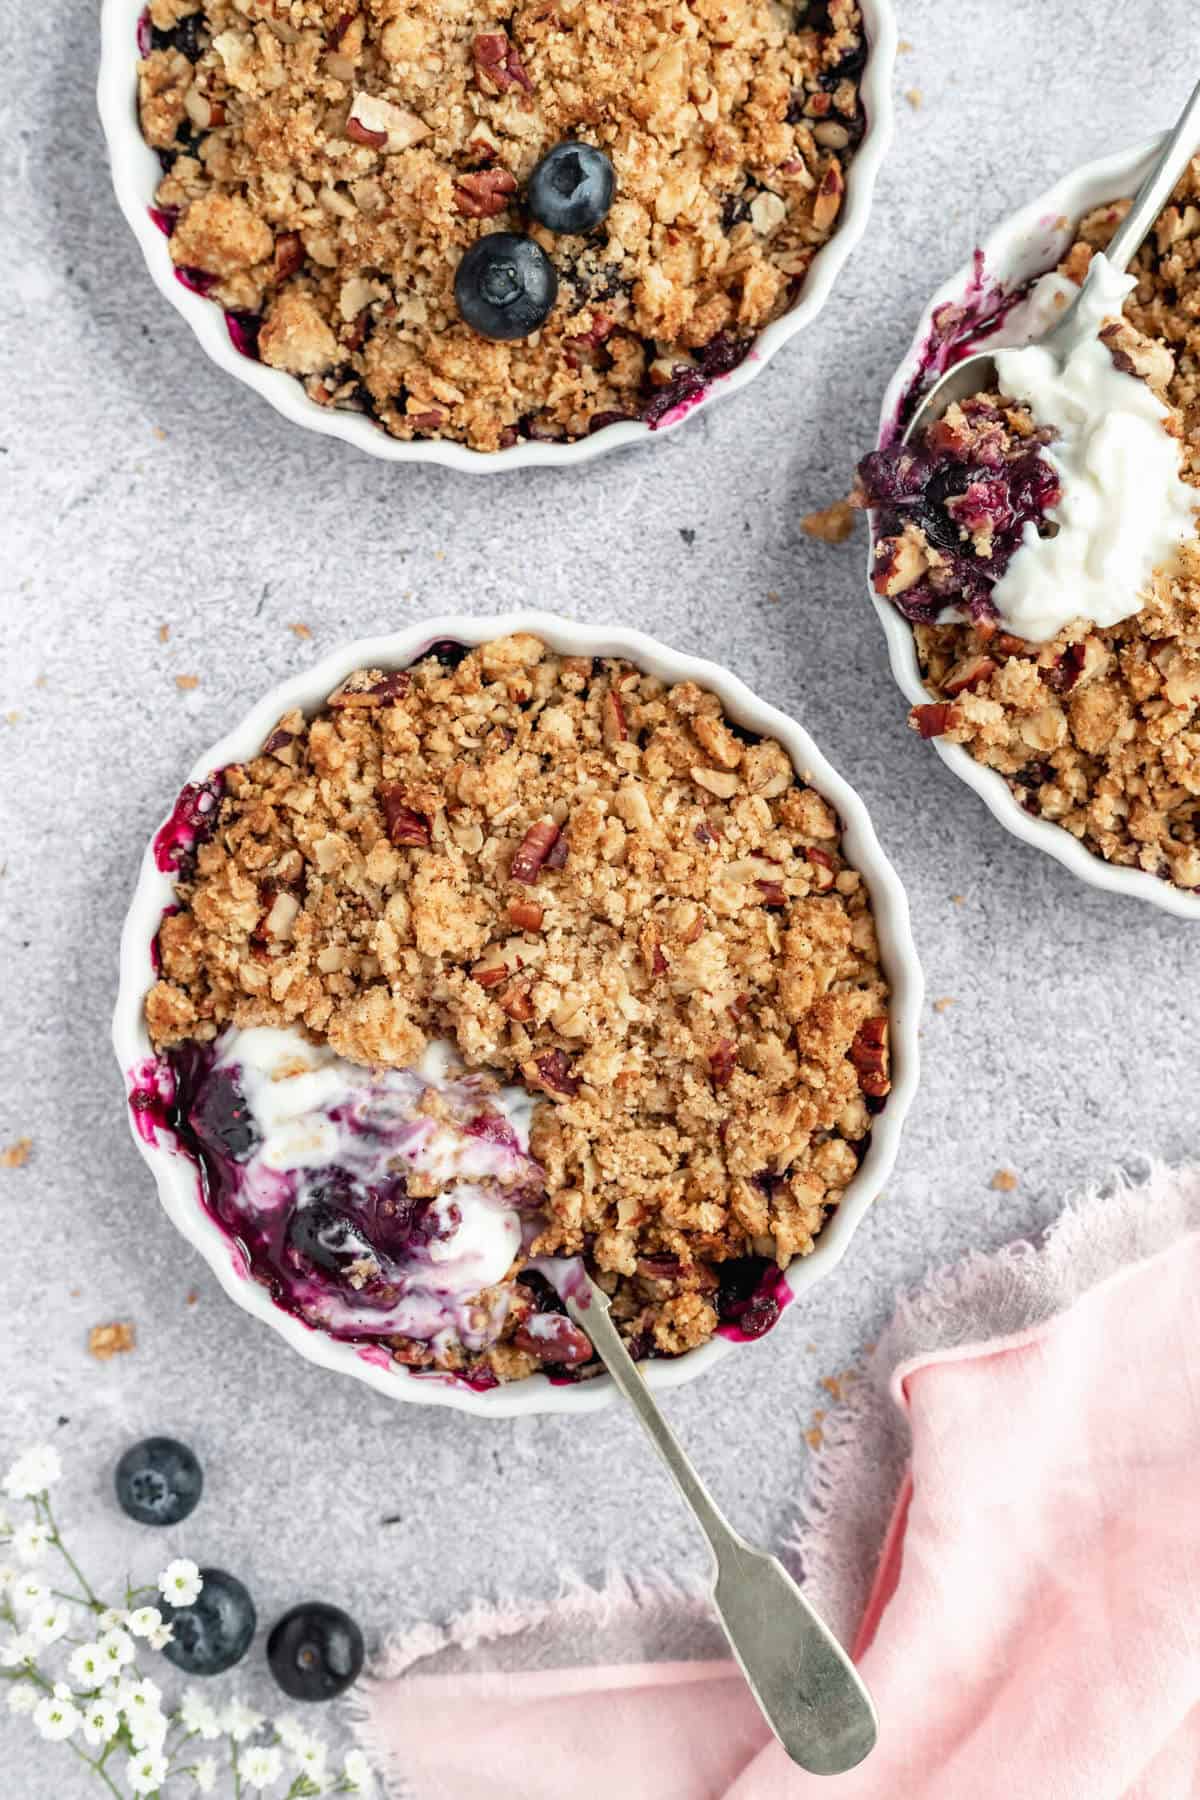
[(1032, 1628)]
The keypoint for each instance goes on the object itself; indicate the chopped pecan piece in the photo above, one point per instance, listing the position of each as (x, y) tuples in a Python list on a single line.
[(525, 915), (821, 857), (721, 1060), (389, 687), (899, 564), (289, 254), (932, 721), (552, 1071), (554, 1339), (772, 892), (484, 194), (969, 674), (362, 134), (404, 825), (1067, 670), (489, 975), (614, 725), (558, 852), (535, 848), (515, 1001), (498, 64), (869, 1054)]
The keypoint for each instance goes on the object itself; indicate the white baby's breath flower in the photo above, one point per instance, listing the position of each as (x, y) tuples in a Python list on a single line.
[(140, 1703), (31, 1542), (101, 1721), (33, 1472), (240, 1722), (111, 1617), (47, 1623), (17, 1650), (62, 1691), (27, 1594), (6, 1523), (116, 1649), (56, 1718), (87, 1665), (311, 1758), (290, 1732), (159, 1639), (204, 1774), (261, 1766), (22, 1697), (146, 1771), (144, 1622), (357, 1770), (198, 1716), (7, 1576), (180, 1582)]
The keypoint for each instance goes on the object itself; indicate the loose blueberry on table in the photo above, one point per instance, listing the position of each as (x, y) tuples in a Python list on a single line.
[(216, 1630), (315, 1651), (159, 1481)]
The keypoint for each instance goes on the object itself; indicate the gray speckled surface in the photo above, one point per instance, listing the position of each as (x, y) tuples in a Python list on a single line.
[(138, 487)]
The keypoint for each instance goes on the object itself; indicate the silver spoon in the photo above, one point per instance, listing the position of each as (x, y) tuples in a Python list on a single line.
[(809, 1691), (977, 374)]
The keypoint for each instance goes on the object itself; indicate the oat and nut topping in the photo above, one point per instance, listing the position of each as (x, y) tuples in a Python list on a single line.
[(596, 886), (327, 163), (1097, 730)]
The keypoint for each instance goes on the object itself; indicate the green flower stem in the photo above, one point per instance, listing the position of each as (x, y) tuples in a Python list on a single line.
[(56, 1538), (237, 1775), (100, 1770)]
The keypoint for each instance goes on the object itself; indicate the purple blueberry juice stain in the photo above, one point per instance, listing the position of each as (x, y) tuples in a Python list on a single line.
[(196, 281), (165, 217), (243, 329), (752, 1295), (192, 822), (690, 383), (145, 35)]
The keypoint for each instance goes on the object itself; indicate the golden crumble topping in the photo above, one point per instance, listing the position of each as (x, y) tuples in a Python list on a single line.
[(1097, 730), (327, 163), (594, 885)]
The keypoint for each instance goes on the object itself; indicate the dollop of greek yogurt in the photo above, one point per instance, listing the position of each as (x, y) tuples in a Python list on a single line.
[(374, 1202), (1125, 508)]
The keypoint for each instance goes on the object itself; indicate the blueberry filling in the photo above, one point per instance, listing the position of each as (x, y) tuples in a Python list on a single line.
[(971, 490), (690, 381), (306, 1163)]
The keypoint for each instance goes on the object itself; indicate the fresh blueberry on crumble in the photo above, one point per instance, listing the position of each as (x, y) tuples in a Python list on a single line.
[(679, 165), (505, 286), (572, 188), (505, 960)]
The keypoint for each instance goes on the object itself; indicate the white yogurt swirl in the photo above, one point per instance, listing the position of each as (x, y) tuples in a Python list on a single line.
[(1125, 508)]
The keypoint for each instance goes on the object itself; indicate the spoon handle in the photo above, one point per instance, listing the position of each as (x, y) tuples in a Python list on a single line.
[(1156, 190), (809, 1691)]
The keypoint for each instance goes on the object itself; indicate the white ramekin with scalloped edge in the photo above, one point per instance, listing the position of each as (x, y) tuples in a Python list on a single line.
[(136, 173), (1021, 248), (176, 1174)]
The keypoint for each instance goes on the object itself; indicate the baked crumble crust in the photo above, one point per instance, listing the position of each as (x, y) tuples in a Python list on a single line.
[(1098, 730), (595, 885), (730, 124)]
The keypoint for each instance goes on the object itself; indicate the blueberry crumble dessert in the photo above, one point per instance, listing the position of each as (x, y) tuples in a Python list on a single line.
[(505, 959), (1041, 539), (660, 175)]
